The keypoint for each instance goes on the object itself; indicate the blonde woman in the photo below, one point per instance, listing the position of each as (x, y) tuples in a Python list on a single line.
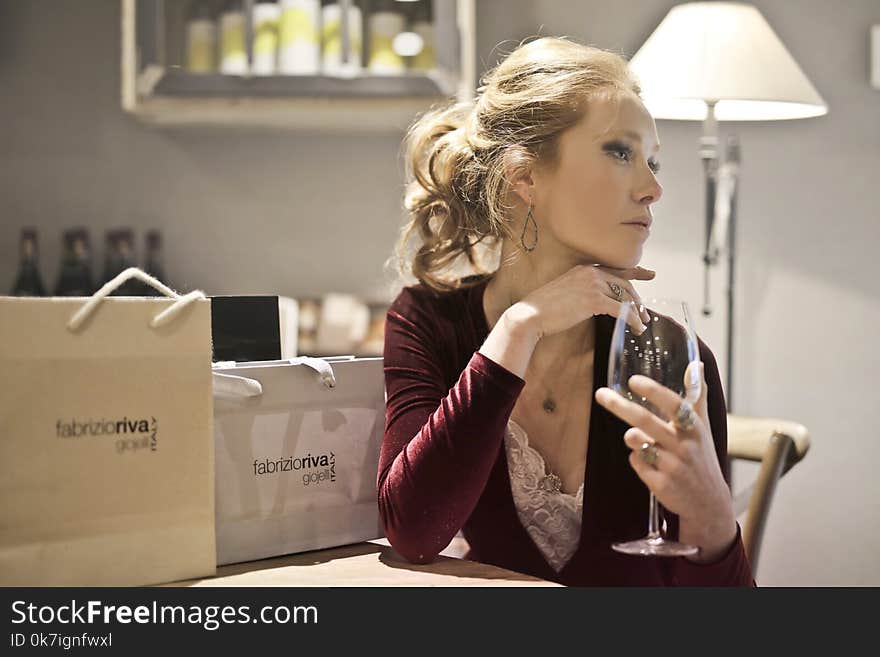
[(496, 421)]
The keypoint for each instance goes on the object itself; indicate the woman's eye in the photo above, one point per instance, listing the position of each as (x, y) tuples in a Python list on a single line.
[(625, 154)]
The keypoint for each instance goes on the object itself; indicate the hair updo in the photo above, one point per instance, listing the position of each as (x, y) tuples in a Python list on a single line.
[(457, 155)]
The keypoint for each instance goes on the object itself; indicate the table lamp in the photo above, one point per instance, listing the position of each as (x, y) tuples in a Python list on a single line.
[(721, 61)]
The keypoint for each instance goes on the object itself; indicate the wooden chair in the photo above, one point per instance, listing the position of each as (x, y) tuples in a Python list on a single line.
[(777, 445)]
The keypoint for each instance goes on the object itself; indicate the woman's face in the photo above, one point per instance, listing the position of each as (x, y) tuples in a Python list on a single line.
[(596, 202)]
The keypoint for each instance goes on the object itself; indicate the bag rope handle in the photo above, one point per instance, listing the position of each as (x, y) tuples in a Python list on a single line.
[(241, 386), (164, 317)]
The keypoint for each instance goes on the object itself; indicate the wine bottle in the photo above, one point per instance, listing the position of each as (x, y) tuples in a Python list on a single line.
[(28, 282), (75, 275), (119, 257)]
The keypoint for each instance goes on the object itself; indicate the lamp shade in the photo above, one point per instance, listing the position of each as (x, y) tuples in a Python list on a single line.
[(724, 52)]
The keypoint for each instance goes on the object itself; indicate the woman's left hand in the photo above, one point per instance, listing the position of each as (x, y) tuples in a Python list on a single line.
[(686, 477)]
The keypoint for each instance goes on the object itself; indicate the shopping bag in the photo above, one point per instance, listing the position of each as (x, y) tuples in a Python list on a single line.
[(106, 444), (297, 450)]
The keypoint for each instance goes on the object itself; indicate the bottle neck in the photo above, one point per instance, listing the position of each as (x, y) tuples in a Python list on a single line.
[(153, 255), (28, 252), (76, 253)]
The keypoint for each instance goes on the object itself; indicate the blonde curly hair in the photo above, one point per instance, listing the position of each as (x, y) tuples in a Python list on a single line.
[(459, 156)]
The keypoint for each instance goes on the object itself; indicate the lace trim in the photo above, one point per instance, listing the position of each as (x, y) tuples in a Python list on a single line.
[(552, 519)]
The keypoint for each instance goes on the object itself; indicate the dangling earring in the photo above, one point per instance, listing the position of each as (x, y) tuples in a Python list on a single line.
[(525, 225)]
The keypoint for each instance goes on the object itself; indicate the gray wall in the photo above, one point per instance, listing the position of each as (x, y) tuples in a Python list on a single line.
[(248, 211)]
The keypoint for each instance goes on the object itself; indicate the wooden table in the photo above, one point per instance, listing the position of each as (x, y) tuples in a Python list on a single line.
[(374, 563)]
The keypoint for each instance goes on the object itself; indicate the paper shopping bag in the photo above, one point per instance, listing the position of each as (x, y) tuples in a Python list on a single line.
[(297, 451), (106, 444)]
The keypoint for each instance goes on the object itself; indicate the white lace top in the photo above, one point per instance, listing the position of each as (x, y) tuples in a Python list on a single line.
[(551, 518)]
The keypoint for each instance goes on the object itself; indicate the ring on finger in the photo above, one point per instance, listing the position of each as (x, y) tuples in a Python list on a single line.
[(616, 290), (650, 454), (685, 418)]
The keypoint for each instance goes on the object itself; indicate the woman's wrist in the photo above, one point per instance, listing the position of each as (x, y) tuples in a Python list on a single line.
[(522, 320), (512, 341), (714, 540)]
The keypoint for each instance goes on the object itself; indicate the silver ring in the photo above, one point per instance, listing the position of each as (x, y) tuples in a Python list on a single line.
[(650, 454), (685, 418), (616, 290)]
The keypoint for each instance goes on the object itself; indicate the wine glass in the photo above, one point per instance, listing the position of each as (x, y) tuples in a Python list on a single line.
[(667, 352)]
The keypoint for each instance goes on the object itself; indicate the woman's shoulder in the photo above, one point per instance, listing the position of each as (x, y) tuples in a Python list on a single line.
[(412, 298), (440, 303), (447, 320)]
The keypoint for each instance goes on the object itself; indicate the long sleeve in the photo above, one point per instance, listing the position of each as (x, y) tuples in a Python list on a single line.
[(733, 568), (439, 444)]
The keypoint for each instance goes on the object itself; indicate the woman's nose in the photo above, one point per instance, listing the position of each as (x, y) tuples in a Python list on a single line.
[(650, 192)]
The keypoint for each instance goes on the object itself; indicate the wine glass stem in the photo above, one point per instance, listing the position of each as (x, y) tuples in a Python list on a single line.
[(653, 518)]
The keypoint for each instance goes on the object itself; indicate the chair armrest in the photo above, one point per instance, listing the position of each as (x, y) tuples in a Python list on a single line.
[(748, 438)]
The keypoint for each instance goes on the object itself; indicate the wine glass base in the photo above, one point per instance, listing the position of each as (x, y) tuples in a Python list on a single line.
[(655, 547)]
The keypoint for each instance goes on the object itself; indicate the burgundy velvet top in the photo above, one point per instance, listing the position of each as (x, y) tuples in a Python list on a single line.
[(443, 466)]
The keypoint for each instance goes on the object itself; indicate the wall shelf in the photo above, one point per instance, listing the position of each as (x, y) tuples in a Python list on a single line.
[(158, 90), (178, 83)]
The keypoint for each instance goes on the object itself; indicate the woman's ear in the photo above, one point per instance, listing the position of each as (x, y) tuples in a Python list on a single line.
[(518, 172), (523, 187)]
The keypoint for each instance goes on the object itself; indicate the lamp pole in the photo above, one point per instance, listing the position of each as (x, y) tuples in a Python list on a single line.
[(731, 158), (713, 173), (709, 155)]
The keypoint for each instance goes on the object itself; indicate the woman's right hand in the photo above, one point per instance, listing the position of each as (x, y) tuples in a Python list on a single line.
[(582, 292)]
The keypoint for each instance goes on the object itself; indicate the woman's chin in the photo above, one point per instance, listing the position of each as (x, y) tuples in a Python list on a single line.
[(619, 258), (621, 262)]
